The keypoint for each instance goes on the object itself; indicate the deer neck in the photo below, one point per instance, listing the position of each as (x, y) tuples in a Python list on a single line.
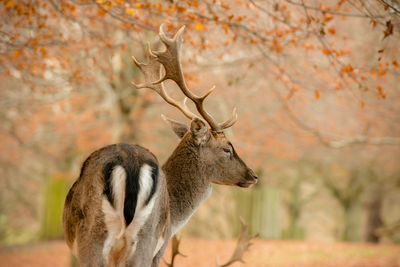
[(187, 186)]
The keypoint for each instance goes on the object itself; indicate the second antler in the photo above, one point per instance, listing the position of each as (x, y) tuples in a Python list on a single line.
[(242, 245), (170, 59)]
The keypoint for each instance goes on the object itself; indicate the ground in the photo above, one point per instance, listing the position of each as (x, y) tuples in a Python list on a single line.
[(204, 253)]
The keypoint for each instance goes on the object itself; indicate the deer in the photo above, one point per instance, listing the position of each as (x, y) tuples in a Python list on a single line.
[(125, 207)]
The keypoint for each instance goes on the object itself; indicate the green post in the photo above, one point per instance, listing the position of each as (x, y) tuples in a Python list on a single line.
[(260, 208), (56, 189)]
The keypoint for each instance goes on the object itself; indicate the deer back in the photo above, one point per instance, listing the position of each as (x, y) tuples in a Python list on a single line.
[(120, 187)]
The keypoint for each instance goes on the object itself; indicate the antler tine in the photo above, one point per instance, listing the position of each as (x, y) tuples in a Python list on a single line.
[(174, 251), (231, 121), (243, 244), (170, 59), (208, 93), (152, 71), (176, 39)]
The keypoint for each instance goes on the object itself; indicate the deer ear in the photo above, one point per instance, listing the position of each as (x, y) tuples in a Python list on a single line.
[(199, 131), (179, 129)]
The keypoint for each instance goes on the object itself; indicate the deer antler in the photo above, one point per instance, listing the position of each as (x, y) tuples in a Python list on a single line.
[(175, 251), (242, 245), (152, 72), (170, 59)]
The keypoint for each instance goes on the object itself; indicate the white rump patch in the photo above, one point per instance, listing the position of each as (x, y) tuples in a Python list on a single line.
[(75, 248), (114, 216)]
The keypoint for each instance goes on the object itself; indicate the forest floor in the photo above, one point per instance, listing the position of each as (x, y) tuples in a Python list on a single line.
[(201, 253)]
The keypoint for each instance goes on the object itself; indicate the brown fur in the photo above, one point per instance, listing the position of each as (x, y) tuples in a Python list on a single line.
[(201, 158)]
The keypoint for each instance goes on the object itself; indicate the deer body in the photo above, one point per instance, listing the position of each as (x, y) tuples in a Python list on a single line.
[(124, 207)]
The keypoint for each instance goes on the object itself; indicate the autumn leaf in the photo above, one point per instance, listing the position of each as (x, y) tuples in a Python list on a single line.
[(345, 51), (338, 84), (347, 68), (308, 45), (389, 29), (199, 26), (105, 4), (291, 92), (16, 54), (289, 96), (331, 30), (180, 8), (316, 94), (10, 4), (130, 11), (395, 64), (326, 51), (381, 93), (362, 104)]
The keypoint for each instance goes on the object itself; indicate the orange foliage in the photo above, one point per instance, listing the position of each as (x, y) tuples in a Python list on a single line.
[(71, 45)]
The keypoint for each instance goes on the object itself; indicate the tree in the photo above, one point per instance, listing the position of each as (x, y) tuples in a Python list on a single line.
[(348, 193)]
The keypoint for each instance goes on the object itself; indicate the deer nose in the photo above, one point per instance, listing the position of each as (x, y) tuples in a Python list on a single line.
[(253, 174)]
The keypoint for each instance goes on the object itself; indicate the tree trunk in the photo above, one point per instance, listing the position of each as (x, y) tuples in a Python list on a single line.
[(295, 231), (374, 219), (352, 222), (295, 206)]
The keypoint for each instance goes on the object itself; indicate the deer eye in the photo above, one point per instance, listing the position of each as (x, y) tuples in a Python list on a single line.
[(227, 150)]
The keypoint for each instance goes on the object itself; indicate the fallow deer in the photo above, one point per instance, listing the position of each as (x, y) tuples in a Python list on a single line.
[(124, 207)]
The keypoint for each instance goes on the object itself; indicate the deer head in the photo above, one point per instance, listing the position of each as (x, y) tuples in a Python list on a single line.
[(215, 156)]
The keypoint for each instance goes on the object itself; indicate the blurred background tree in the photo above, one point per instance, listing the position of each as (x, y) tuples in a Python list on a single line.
[(315, 83)]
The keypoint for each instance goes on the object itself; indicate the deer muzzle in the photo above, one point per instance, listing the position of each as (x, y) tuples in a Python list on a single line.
[(251, 178)]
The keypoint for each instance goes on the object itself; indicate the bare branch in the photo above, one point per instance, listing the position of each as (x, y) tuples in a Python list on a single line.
[(385, 3), (332, 140), (125, 20), (270, 13), (327, 11), (365, 140)]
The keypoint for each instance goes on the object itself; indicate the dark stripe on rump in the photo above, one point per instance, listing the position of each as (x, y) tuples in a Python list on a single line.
[(132, 182), (154, 176), (107, 171)]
